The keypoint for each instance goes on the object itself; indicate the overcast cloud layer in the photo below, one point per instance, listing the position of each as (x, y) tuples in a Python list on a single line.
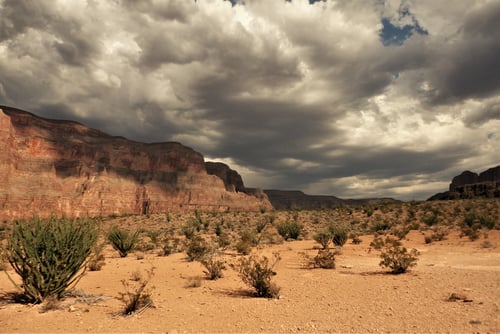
[(354, 98)]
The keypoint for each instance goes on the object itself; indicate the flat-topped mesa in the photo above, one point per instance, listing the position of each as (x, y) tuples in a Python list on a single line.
[(472, 185), (52, 167)]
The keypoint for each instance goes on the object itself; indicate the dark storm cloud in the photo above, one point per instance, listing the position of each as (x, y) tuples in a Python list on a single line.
[(469, 69), (490, 111), (19, 15), (297, 94)]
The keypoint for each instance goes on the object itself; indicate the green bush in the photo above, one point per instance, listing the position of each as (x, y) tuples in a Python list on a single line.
[(123, 241), (50, 256), (257, 273), (325, 259), (339, 235), (97, 259), (214, 266), (197, 248), (397, 258), (323, 238), (289, 229), (248, 239)]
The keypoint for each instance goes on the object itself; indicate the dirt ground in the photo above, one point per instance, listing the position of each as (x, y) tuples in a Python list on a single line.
[(358, 296)]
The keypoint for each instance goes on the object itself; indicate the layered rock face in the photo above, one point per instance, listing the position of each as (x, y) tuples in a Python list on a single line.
[(50, 167), (232, 180), (472, 185)]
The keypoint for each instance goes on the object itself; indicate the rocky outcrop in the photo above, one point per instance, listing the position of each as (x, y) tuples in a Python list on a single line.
[(472, 185), (294, 199), (232, 180), (51, 167)]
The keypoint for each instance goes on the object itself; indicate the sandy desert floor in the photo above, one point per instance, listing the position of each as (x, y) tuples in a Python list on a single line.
[(357, 296)]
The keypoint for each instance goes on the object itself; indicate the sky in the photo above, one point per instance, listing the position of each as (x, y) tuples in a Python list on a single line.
[(352, 98)]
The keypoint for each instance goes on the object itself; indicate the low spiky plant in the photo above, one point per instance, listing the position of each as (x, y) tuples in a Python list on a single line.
[(123, 241)]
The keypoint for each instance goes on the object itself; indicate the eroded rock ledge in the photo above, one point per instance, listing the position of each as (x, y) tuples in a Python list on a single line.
[(53, 167)]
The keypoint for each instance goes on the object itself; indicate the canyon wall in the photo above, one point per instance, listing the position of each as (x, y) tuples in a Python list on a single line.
[(52, 167)]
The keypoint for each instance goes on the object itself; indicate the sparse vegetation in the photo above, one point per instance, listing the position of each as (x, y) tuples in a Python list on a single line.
[(138, 297), (290, 229), (324, 259), (323, 238), (197, 248), (50, 256), (339, 234), (97, 259), (123, 241), (214, 266), (230, 235), (257, 272), (396, 257)]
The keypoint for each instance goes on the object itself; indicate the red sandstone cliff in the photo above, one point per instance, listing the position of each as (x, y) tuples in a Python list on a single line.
[(51, 167)]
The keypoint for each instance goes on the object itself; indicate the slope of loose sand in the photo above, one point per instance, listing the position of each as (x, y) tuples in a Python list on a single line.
[(358, 296)]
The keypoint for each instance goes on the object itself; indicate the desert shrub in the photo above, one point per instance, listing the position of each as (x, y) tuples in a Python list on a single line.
[(248, 239), (50, 256), (368, 211), (430, 218), (243, 247), (486, 244), (194, 282), (214, 267), (355, 238), (323, 238), (223, 240), (136, 298), (123, 241), (154, 236), (439, 235), (218, 229), (380, 226), (257, 272), (339, 235), (197, 248), (396, 257), (167, 248), (487, 222), (97, 258), (377, 243), (144, 245), (471, 232), (289, 229), (169, 244), (400, 232), (190, 229), (325, 259), (261, 225)]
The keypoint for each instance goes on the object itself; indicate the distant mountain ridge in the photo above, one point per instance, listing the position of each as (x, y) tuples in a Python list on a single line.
[(472, 185), (295, 199)]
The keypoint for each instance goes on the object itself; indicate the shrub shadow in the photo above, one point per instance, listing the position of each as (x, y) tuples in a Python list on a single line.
[(236, 293), (14, 297)]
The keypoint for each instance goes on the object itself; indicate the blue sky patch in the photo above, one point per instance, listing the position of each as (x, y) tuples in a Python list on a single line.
[(393, 34)]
